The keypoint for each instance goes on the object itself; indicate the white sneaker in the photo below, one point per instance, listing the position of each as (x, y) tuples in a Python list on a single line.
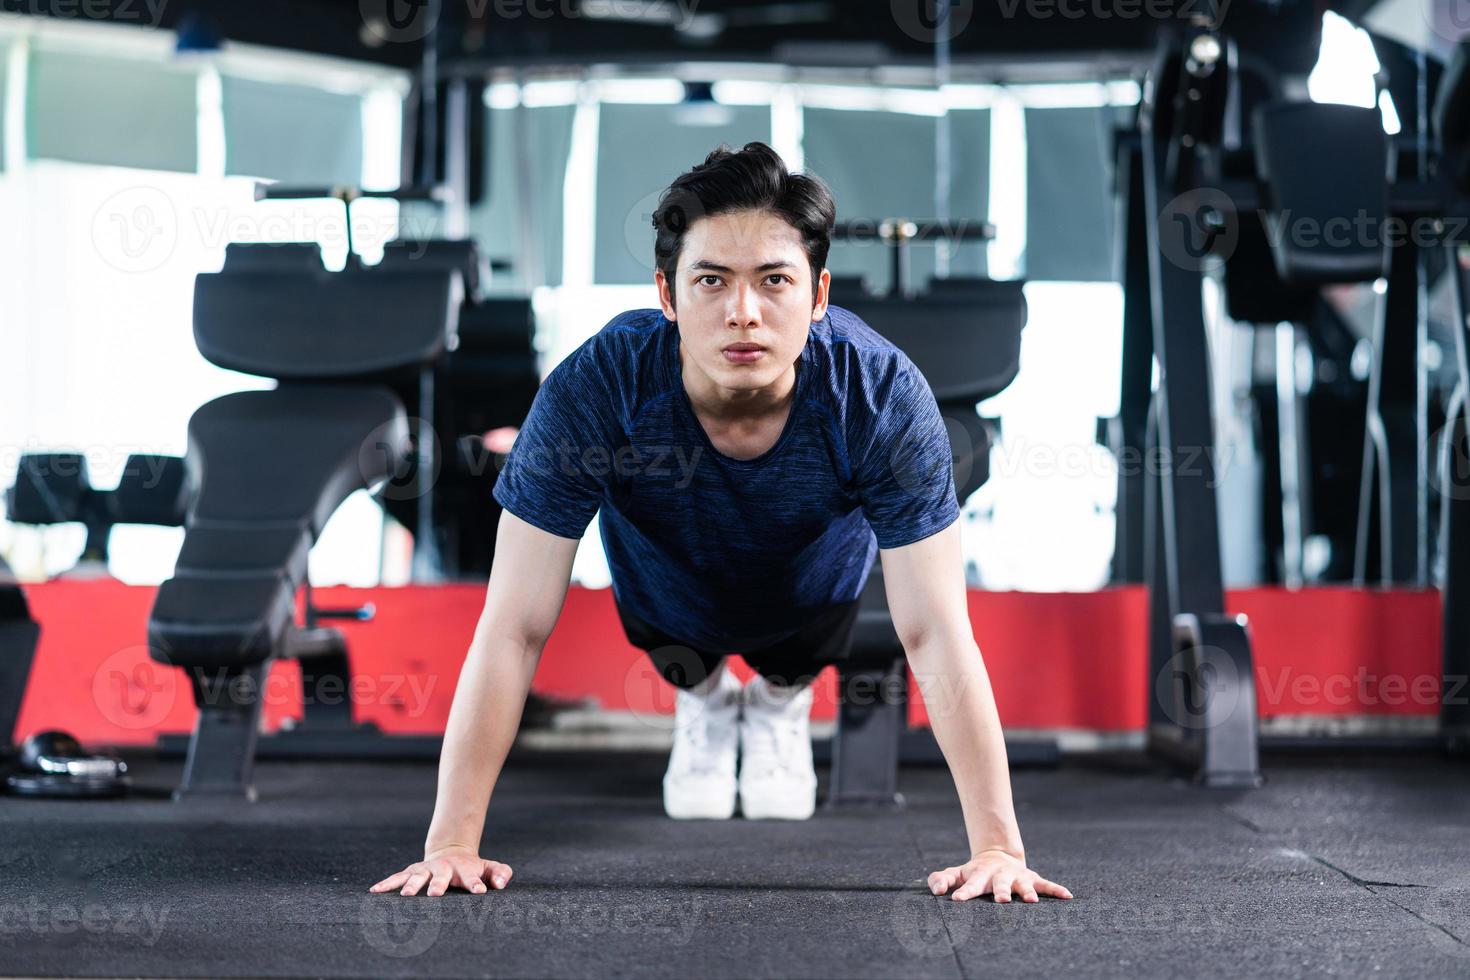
[(777, 778), (700, 781)]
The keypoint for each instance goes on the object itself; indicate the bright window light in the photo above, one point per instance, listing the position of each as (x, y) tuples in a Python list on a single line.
[(502, 95), (536, 94), (736, 92), (1391, 124), (1345, 66), (916, 102), (641, 91)]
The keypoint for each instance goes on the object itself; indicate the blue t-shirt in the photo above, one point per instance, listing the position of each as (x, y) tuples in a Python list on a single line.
[(731, 555)]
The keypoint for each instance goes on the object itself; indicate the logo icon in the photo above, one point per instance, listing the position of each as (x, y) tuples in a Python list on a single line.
[(400, 929), (1196, 701), (1196, 225), (924, 20), (136, 230), (393, 465), (397, 21), (134, 691)]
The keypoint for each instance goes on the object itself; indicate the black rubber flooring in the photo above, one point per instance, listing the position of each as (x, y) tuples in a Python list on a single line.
[(1334, 868)]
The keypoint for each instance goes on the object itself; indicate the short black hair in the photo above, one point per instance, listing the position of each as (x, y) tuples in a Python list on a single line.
[(753, 178)]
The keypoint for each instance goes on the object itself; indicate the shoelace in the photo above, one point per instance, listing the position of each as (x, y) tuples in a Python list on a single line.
[(776, 742), (697, 733)]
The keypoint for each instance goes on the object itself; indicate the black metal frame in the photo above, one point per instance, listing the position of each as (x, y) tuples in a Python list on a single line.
[(872, 722), (225, 743), (1201, 681), (19, 636), (1454, 714)]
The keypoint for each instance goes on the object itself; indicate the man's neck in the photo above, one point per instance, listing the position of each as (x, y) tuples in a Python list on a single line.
[(731, 404)]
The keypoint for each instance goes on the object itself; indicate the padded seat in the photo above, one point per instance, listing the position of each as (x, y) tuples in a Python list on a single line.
[(232, 595), (322, 442), (1313, 212)]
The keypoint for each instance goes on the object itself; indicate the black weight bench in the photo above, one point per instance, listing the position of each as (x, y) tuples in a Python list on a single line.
[(19, 635), (270, 467), (964, 336)]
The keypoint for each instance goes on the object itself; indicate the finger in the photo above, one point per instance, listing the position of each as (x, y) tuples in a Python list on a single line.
[(416, 881), (499, 873), (1002, 887), (391, 882), (977, 883), (469, 875), (1052, 888), (439, 881), (942, 881), (1024, 887)]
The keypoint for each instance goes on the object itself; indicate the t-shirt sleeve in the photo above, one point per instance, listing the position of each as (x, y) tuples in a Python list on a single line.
[(558, 466), (904, 467)]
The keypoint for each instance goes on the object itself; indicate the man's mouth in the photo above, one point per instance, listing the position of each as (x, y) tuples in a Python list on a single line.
[(744, 353)]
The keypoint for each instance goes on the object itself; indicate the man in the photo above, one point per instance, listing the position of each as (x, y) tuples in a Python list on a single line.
[(749, 449)]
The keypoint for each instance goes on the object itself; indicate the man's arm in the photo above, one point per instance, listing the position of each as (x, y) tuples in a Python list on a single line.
[(925, 583), (528, 584)]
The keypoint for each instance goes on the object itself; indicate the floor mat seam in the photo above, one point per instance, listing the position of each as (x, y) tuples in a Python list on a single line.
[(954, 952), (1366, 885)]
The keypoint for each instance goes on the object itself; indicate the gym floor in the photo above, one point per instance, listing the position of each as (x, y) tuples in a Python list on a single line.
[(1334, 867)]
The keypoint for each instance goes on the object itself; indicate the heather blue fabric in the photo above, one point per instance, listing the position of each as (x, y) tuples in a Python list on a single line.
[(728, 554)]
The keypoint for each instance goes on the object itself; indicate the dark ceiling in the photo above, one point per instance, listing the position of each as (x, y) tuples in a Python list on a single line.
[(478, 34)]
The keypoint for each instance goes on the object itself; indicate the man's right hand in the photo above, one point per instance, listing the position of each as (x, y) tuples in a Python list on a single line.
[(446, 867)]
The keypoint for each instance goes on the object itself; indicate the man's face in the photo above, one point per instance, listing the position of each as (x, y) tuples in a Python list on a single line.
[(744, 291)]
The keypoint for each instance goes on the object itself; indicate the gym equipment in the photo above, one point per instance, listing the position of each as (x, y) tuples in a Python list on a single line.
[(1277, 208), (486, 379), (1370, 181), (1452, 108), (1201, 681), (964, 336), (49, 763), (19, 635), (53, 764), (271, 467), (55, 488)]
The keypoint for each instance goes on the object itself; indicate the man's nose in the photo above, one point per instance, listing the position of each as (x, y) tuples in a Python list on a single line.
[(745, 307)]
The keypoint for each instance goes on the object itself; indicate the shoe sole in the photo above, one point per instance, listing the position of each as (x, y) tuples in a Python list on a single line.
[(783, 809), (699, 809)]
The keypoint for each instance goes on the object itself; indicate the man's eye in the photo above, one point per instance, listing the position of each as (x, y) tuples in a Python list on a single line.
[(776, 279), (709, 280)]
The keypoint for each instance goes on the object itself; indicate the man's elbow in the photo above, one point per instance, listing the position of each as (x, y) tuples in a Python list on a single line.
[(502, 632), (935, 645)]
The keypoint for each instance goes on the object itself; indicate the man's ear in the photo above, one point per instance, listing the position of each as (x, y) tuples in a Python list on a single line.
[(824, 285), (665, 294)]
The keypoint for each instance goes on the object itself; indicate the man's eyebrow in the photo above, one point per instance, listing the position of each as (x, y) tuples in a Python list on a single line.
[(705, 264)]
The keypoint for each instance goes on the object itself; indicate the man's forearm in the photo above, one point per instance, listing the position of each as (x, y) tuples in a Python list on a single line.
[(961, 708), (483, 720)]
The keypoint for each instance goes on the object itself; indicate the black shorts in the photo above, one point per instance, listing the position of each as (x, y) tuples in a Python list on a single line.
[(825, 639)]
